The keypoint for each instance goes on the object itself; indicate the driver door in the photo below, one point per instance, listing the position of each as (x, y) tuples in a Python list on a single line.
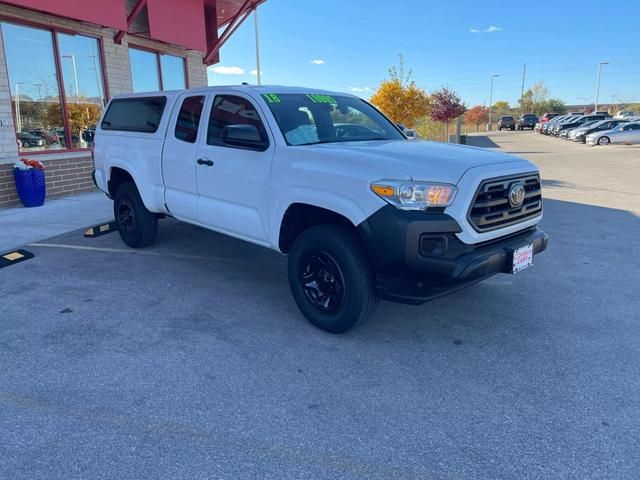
[(629, 134), (233, 180)]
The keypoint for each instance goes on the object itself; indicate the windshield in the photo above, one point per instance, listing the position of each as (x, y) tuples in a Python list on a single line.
[(307, 119)]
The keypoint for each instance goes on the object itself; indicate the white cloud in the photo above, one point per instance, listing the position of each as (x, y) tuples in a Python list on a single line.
[(317, 61), (491, 29), (359, 89), (222, 70), (254, 72)]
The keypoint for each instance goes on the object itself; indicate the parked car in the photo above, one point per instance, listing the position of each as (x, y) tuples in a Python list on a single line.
[(548, 116), (528, 120), (566, 133), (553, 122), (625, 133), (360, 218), (626, 114), (601, 126), (574, 122), (49, 136), (506, 122), (28, 140)]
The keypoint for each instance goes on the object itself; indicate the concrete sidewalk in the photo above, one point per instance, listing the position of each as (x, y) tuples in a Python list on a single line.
[(21, 226)]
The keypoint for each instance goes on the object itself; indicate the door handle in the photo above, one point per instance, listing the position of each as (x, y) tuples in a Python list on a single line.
[(202, 161)]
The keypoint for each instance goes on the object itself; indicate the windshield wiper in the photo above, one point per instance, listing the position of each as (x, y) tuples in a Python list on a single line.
[(342, 140)]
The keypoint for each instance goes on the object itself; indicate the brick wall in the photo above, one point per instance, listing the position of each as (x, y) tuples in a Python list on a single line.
[(64, 176)]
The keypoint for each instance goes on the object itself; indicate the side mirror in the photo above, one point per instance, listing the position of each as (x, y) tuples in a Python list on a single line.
[(244, 136)]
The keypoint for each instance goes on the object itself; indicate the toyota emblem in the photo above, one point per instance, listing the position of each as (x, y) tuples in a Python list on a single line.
[(516, 194)]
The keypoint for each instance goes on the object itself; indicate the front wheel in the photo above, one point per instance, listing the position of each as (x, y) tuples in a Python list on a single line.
[(604, 141), (330, 278), (138, 227)]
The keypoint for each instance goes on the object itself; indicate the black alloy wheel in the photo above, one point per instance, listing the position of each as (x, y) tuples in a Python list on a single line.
[(322, 281)]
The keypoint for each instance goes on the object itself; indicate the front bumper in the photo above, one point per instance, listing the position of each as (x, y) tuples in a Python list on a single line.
[(417, 256)]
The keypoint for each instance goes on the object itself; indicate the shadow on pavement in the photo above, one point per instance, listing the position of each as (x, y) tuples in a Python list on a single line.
[(481, 141)]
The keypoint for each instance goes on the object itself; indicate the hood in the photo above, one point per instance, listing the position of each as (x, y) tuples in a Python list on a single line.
[(420, 160)]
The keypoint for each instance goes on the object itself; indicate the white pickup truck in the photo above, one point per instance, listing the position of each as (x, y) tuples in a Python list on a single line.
[(328, 180)]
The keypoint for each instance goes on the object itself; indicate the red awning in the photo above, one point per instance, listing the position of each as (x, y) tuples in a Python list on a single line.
[(106, 13), (179, 25), (191, 24)]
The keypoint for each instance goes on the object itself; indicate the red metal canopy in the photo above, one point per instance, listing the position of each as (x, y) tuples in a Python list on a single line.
[(192, 24), (107, 13), (179, 26)]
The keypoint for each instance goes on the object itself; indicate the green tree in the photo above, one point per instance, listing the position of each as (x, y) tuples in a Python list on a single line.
[(554, 105), (535, 100), (501, 107)]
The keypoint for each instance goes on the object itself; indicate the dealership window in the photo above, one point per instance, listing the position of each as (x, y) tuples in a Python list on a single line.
[(152, 71), (56, 87), (84, 92)]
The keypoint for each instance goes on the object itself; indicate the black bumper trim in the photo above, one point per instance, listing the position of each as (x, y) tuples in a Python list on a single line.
[(430, 278)]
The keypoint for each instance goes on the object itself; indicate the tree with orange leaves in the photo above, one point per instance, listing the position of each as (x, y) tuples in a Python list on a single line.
[(477, 116), (400, 99)]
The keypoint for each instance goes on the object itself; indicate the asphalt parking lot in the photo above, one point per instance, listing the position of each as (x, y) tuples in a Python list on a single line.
[(190, 359)]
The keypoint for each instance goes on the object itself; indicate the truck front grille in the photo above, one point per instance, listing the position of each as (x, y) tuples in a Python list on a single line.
[(491, 208)]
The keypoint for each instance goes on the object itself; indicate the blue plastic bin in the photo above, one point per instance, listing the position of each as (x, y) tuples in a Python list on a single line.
[(31, 186)]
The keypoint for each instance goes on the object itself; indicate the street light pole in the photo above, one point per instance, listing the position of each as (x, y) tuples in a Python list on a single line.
[(524, 73), (75, 73), (17, 106), (490, 124), (255, 18), (595, 104)]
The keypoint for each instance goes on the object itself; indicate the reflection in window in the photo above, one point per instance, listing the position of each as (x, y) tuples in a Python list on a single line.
[(144, 71), (35, 96), (82, 75), (172, 69), (232, 110), (151, 72)]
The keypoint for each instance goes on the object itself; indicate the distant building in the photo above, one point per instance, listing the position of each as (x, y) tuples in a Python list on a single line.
[(603, 107), (61, 60)]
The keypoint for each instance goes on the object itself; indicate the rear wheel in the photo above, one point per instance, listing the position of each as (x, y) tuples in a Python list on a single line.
[(330, 278), (604, 141), (138, 227)]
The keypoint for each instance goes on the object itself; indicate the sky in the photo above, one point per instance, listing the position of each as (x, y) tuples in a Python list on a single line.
[(348, 46)]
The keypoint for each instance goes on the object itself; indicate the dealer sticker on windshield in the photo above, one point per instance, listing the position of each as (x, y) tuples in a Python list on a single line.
[(522, 258)]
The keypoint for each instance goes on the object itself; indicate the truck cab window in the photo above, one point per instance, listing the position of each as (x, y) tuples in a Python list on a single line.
[(189, 119), (232, 110)]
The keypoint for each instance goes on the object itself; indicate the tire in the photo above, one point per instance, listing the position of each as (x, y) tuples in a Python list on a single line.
[(138, 227), (330, 278), (513, 129), (604, 141)]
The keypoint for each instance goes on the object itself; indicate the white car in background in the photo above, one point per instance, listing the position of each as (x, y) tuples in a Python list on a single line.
[(625, 133), (626, 114)]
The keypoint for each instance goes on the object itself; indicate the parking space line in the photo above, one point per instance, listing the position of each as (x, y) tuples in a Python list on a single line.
[(134, 252)]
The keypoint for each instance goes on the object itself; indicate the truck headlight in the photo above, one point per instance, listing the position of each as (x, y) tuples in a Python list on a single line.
[(410, 195)]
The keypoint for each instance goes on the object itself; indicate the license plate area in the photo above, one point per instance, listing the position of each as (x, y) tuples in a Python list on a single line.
[(522, 258)]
